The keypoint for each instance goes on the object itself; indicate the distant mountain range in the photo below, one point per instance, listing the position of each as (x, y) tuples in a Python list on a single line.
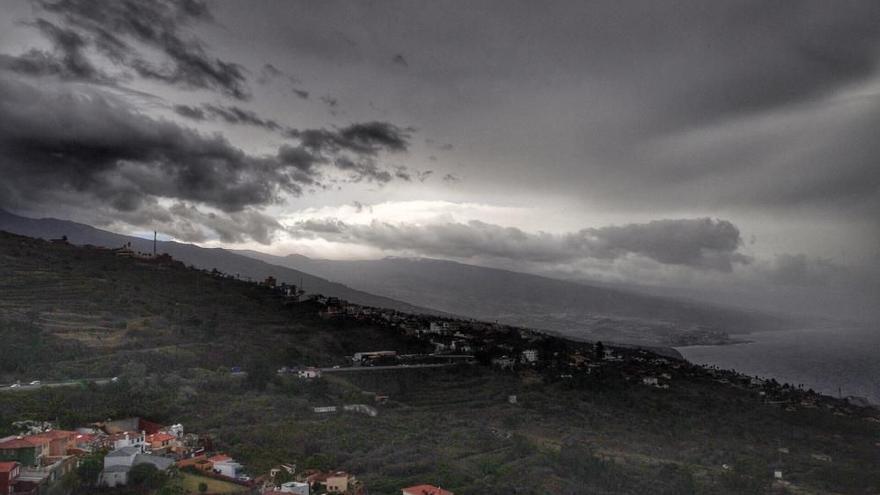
[(434, 286), (208, 258), (570, 308)]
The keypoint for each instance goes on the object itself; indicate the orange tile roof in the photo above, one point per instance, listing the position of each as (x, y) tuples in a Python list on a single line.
[(160, 437), (220, 458), (55, 434), (22, 443), (426, 490)]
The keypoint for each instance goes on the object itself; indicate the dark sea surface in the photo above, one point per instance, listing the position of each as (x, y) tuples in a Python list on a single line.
[(824, 359)]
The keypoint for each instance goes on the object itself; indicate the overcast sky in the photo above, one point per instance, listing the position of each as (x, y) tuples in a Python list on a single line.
[(668, 143)]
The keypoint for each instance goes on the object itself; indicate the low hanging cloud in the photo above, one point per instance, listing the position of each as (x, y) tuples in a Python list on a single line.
[(701, 243)]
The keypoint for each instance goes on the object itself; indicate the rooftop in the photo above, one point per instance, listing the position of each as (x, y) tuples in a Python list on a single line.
[(124, 452), (426, 490)]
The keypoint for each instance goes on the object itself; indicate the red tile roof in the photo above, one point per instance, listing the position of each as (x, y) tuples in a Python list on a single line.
[(55, 434), (22, 443), (85, 438), (160, 437), (6, 467), (426, 490), (220, 458)]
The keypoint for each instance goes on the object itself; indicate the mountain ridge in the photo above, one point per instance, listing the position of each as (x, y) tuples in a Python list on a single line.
[(573, 309), (208, 258)]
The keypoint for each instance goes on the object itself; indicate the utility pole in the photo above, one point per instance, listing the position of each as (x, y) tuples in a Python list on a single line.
[(155, 235)]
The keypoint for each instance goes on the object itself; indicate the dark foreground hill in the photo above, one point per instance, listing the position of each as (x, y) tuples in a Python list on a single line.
[(221, 259), (171, 334), (571, 309)]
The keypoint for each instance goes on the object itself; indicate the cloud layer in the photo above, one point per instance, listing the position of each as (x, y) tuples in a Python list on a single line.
[(67, 140), (701, 243)]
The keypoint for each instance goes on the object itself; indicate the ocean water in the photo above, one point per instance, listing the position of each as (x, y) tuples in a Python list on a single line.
[(828, 360)]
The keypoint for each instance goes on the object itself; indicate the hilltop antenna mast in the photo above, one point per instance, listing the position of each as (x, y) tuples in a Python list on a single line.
[(155, 235)]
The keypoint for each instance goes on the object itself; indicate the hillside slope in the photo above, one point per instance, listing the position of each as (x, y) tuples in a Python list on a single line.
[(572, 309), (171, 333), (221, 259)]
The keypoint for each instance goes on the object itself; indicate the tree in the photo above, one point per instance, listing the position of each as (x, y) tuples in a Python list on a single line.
[(147, 476), (259, 373), (90, 469), (203, 487), (599, 348)]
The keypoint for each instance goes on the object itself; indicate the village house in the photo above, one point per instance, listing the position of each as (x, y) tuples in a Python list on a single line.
[(119, 462), (309, 373), (9, 471), (224, 465), (503, 362), (362, 358), (530, 356), (199, 462), (425, 490), (339, 482), (293, 487), (26, 450), (161, 443), (124, 439)]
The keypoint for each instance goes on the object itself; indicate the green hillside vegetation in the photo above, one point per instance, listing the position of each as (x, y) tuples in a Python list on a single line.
[(171, 333)]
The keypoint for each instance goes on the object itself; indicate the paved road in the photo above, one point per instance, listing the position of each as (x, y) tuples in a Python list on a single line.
[(51, 384), (357, 369), (103, 381)]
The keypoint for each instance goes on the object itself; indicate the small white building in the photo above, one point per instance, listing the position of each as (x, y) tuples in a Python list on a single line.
[(530, 356), (229, 468), (503, 362), (650, 380), (309, 373), (131, 439), (295, 487)]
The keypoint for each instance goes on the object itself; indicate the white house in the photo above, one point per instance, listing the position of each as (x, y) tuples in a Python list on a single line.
[(309, 373), (130, 439), (119, 462), (530, 356), (295, 487), (229, 468)]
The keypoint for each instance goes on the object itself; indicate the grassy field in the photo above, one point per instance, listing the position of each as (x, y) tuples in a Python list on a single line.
[(171, 335), (190, 484)]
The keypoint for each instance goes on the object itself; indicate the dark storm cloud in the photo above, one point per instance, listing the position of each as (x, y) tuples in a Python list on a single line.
[(67, 59), (366, 138), (119, 29), (694, 242), (451, 178), (301, 94), (88, 148), (697, 243)]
